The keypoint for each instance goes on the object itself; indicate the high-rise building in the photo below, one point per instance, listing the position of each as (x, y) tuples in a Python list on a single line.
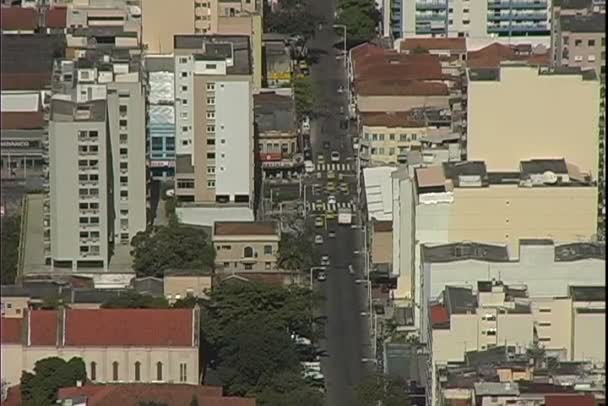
[(214, 125), (465, 18), (97, 150)]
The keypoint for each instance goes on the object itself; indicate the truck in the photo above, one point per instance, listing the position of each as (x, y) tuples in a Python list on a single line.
[(345, 216)]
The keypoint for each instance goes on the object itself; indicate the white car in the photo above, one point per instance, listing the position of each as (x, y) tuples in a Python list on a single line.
[(331, 234), (319, 222), (340, 89), (335, 156), (321, 158), (325, 260), (318, 239), (321, 276), (331, 199), (351, 270)]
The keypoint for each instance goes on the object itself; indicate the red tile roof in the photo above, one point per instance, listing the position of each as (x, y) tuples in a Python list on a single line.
[(232, 228), (492, 55), (11, 330), (17, 18), (392, 120), (439, 315), (129, 327), (382, 226), (381, 87), (452, 44), (22, 120), (172, 394), (570, 400), (56, 17), (43, 327), (366, 49), (25, 81), (13, 397)]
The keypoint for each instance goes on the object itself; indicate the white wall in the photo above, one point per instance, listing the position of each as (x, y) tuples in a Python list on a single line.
[(188, 108)]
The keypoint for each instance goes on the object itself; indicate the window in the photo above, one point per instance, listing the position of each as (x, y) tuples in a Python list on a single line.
[(124, 179), (373, 151), (578, 58), (414, 136), (184, 74), (211, 101), (123, 138), (267, 249), (466, 22), (591, 43), (157, 144), (578, 42), (184, 128), (183, 60), (210, 128), (84, 220), (381, 137), (591, 58), (184, 88), (248, 267), (93, 374), (403, 137), (123, 151), (391, 137), (183, 373), (122, 123), (159, 371), (211, 86), (114, 371), (211, 184), (211, 169), (210, 141), (211, 115), (124, 193), (210, 155), (137, 371), (248, 252), (545, 310), (122, 109), (267, 266), (185, 184), (544, 339), (391, 151), (211, 66), (374, 137), (93, 134)]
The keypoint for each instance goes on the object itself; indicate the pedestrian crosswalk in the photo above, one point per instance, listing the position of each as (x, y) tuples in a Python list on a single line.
[(321, 207), (336, 167)]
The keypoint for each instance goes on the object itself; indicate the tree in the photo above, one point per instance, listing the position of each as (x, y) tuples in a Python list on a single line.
[(307, 96), (174, 246), (50, 374), (297, 250), (134, 300), (360, 18), (289, 388), (9, 246), (382, 389)]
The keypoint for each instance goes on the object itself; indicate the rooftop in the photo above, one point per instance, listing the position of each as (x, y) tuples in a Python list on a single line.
[(496, 389), (451, 44), (392, 120), (56, 17), (383, 87), (18, 19), (580, 250), (588, 293), (274, 112), (22, 120), (570, 399), (239, 49), (494, 54), (383, 226), (31, 53), (462, 251), (67, 111), (573, 4), (459, 300), (492, 74), (592, 23), (243, 228)]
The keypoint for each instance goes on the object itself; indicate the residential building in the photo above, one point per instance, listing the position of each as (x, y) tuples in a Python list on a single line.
[(183, 283), (136, 393), (494, 54), (515, 113), (214, 153), (106, 15), (98, 104), (249, 246), (381, 253), (278, 69), (377, 185), (161, 115), (580, 41), (462, 18), (116, 345), (276, 135)]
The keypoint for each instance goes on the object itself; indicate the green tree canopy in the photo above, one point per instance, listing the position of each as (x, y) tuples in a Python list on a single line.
[(10, 234), (382, 389), (289, 388), (171, 247), (307, 96), (40, 388), (298, 251), (360, 18), (134, 300)]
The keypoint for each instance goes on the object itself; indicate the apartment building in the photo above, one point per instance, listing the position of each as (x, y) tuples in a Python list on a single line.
[(472, 19), (580, 41), (161, 115), (246, 246), (215, 152), (154, 345), (98, 105), (516, 113)]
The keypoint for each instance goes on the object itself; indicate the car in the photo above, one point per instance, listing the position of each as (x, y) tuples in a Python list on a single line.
[(335, 156), (325, 260), (351, 270), (331, 175), (308, 154), (343, 124), (320, 158), (330, 215), (319, 222), (331, 234), (318, 239), (331, 187), (309, 167), (341, 109), (326, 145), (343, 188), (321, 276), (331, 199), (340, 89)]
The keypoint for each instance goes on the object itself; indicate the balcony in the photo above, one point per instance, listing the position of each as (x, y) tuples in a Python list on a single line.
[(435, 5), (517, 28), (430, 17), (513, 16), (517, 5)]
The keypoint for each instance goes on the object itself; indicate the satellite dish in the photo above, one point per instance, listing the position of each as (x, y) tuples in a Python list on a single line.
[(549, 177)]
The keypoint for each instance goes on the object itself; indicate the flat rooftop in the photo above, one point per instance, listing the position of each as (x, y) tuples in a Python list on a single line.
[(493, 74), (67, 111), (592, 23), (238, 49)]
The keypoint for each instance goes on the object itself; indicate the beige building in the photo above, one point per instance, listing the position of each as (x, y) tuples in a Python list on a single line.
[(249, 246), (179, 284), (116, 345), (382, 243), (517, 113), (388, 96)]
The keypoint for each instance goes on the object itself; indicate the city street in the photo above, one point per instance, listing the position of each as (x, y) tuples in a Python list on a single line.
[(347, 331)]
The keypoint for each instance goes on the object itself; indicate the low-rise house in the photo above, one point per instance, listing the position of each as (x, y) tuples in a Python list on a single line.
[(116, 345), (246, 246), (182, 283)]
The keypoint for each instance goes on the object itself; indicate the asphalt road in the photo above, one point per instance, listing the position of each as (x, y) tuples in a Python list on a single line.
[(347, 333)]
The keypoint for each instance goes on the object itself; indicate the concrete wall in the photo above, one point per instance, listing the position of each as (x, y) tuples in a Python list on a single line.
[(230, 254), (161, 23), (523, 116), (553, 322), (589, 336), (399, 103), (18, 358), (197, 286)]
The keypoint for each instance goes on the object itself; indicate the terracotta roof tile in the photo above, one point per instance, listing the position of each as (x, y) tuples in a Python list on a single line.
[(13, 397), (25, 81), (11, 330), (22, 120), (383, 226), (43, 327), (129, 327), (17, 18), (380, 87), (56, 17), (492, 55), (452, 44), (132, 394), (391, 119), (268, 278), (439, 315), (245, 228), (569, 400)]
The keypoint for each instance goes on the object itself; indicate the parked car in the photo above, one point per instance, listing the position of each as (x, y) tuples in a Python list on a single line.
[(321, 276), (335, 156), (319, 222), (331, 199), (325, 260), (318, 239), (331, 234)]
